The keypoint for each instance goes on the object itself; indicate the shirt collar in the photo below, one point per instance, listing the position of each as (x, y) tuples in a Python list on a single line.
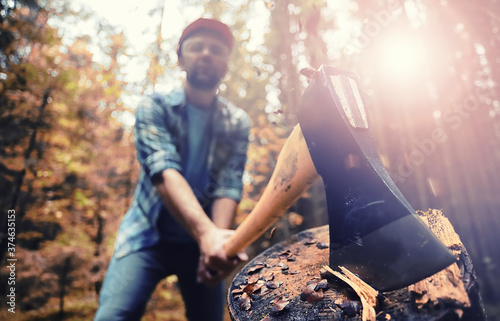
[(177, 97)]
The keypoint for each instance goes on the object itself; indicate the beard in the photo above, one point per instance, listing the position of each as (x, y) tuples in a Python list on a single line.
[(203, 81)]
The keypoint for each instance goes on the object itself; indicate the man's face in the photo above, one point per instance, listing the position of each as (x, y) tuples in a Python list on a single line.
[(204, 58)]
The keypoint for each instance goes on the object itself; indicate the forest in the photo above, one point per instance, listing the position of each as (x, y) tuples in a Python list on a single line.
[(429, 71)]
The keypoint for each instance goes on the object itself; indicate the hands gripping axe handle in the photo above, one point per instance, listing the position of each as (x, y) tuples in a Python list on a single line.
[(374, 232)]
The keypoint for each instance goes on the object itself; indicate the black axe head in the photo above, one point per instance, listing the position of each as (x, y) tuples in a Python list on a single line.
[(374, 231)]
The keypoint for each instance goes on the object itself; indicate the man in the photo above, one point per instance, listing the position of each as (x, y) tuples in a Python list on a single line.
[(192, 146)]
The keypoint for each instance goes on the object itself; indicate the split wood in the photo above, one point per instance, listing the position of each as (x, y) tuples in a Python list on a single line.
[(366, 293)]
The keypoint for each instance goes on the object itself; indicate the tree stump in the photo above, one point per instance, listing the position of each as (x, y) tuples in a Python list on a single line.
[(288, 282)]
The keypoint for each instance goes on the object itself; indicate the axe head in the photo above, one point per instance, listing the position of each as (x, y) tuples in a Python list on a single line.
[(374, 231)]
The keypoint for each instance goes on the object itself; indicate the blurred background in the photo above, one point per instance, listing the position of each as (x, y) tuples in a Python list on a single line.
[(71, 73)]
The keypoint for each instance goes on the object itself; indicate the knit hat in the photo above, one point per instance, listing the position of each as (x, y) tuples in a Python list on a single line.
[(207, 24)]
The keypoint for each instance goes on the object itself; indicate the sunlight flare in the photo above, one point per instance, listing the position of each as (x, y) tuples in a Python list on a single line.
[(403, 57)]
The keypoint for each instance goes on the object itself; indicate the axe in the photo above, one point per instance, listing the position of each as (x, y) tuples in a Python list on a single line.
[(374, 231)]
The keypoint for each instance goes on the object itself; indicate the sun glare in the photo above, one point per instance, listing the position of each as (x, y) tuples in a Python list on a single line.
[(402, 57)]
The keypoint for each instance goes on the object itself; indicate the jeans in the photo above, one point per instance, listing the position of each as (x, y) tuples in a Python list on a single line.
[(130, 281)]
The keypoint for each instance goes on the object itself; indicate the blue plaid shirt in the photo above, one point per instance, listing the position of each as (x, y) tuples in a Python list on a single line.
[(160, 135)]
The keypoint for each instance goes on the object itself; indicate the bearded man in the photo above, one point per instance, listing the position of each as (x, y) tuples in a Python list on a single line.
[(191, 145)]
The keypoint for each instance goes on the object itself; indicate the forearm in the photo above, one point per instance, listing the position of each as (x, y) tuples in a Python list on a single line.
[(223, 212), (181, 202)]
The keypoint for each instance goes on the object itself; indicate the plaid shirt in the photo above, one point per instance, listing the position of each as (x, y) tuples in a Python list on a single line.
[(160, 135)]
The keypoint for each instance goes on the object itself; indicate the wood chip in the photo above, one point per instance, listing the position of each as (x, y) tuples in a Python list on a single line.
[(244, 302), (310, 241), (366, 293), (279, 304), (284, 255), (311, 295), (323, 284), (256, 268), (273, 285), (258, 285), (283, 267), (322, 245), (350, 308), (253, 278), (269, 276), (237, 291)]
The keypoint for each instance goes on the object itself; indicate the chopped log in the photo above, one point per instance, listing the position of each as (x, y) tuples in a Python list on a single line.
[(288, 282), (447, 287)]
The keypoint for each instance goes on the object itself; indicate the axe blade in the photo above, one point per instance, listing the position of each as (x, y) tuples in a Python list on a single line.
[(374, 231)]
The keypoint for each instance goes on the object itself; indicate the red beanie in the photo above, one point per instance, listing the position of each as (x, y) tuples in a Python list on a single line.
[(207, 24)]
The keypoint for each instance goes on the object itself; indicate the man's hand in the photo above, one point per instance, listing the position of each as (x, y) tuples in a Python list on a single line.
[(181, 202), (214, 265)]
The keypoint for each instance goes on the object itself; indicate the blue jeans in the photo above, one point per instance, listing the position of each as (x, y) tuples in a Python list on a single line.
[(130, 281)]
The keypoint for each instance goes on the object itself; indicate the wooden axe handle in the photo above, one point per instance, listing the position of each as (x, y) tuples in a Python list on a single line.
[(293, 175)]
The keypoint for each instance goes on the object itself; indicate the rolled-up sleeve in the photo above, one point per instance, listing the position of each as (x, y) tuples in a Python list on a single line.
[(229, 179), (154, 141)]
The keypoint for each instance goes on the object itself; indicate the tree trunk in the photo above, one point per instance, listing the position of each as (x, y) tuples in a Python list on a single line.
[(276, 285), (20, 178)]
